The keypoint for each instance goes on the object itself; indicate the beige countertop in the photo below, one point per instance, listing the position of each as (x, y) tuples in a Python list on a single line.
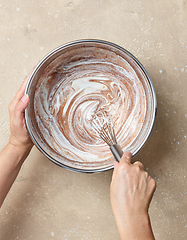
[(49, 202)]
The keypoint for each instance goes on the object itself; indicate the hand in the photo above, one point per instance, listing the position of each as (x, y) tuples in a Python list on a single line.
[(16, 151), (131, 192), (19, 135)]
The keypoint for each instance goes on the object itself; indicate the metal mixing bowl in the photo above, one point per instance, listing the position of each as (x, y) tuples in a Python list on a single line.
[(31, 116)]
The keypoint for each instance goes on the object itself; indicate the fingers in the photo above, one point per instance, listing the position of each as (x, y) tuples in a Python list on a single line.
[(115, 169), (127, 156), (125, 160), (19, 93), (18, 113), (22, 104), (152, 185), (116, 164), (141, 166)]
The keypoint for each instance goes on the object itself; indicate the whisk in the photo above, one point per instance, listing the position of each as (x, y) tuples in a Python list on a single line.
[(104, 128)]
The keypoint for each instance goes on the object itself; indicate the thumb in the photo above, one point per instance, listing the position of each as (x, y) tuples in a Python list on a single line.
[(24, 102), (127, 156), (20, 108)]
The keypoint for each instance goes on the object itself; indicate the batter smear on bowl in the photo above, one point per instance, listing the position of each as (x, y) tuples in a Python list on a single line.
[(75, 86)]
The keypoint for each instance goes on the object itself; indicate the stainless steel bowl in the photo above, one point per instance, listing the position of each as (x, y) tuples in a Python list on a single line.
[(31, 115)]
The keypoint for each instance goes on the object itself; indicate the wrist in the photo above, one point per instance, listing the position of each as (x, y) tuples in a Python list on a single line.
[(20, 146), (135, 226), (20, 150), (11, 159)]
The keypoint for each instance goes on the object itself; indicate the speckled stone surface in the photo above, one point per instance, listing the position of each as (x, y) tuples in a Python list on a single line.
[(48, 202)]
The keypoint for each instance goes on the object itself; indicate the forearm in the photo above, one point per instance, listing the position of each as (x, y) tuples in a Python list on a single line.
[(11, 160), (135, 228)]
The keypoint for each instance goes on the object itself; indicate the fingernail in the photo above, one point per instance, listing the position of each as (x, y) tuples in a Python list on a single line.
[(128, 153), (24, 98)]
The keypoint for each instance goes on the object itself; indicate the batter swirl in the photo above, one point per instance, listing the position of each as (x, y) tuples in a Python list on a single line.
[(72, 89)]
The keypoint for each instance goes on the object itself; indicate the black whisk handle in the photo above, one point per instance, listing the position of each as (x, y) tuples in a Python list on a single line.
[(116, 151)]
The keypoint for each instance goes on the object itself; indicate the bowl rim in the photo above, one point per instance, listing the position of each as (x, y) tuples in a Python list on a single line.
[(44, 59)]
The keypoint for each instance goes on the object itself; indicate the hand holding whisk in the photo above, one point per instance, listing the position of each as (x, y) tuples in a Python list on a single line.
[(103, 126)]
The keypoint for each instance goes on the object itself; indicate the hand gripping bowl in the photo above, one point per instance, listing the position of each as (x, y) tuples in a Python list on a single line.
[(72, 83)]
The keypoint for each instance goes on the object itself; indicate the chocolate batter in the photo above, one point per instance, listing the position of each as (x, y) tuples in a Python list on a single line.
[(71, 89)]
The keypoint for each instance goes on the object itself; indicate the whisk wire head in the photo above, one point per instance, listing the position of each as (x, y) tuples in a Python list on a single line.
[(103, 126)]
